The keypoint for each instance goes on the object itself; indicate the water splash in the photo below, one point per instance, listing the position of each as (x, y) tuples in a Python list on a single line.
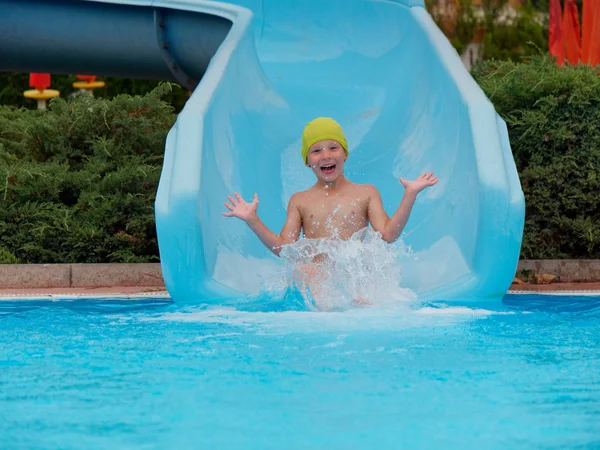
[(336, 275)]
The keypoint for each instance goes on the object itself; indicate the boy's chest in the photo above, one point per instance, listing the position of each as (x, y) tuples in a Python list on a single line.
[(334, 210)]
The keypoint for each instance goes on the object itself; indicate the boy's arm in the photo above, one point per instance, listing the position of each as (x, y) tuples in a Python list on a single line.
[(248, 213), (391, 227), (289, 233)]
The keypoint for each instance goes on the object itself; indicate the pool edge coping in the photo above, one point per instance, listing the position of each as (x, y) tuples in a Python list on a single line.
[(103, 275), (164, 295), (25, 296)]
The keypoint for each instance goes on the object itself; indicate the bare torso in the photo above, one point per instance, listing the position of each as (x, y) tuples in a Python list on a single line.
[(328, 213)]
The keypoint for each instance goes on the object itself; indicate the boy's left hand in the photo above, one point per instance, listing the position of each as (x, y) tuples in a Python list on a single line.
[(420, 183)]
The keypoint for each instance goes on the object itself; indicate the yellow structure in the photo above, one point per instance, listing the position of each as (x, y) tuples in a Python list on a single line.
[(88, 86), (41, 96)]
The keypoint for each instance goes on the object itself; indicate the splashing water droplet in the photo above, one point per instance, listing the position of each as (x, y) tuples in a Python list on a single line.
[(335, 274)]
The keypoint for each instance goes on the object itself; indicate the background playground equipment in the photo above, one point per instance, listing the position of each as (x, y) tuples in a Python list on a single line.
[(40, 82), (568, 41), (88, 84)]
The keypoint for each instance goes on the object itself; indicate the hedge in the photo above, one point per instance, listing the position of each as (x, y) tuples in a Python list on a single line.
[(78, 182), (553, 117)]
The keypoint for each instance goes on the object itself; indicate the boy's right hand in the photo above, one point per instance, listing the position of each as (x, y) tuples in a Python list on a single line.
[(239, 208)]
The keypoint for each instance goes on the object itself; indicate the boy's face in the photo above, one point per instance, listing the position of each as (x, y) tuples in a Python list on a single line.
[(326, 159)]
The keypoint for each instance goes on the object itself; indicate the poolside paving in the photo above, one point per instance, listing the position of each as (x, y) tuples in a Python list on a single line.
[(133, 291), (130, 280), (127, 291)]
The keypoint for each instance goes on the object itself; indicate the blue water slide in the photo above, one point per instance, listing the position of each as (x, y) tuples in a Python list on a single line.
[(266, 67)]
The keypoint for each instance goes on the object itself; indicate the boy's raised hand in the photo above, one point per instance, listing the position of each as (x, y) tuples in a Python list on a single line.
[(420, 183), (239, 208)]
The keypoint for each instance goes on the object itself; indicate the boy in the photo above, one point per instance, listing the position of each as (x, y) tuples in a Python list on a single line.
[(333, 207)]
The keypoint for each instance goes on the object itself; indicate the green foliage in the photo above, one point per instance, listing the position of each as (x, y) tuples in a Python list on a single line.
[(504, 32), (7, 257), (513, 36), (12, 86), (457, 19), (553, 116), (78, 181)]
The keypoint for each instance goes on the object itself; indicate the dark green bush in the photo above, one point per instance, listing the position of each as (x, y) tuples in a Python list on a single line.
[(503, 29), (78, 182), (12, 86), (553, 117)]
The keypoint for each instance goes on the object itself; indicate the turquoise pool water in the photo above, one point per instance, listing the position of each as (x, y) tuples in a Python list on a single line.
[(524, 373)]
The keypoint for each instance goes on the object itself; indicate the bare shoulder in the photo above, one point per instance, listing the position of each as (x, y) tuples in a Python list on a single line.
[(367, 190), (299, 198)]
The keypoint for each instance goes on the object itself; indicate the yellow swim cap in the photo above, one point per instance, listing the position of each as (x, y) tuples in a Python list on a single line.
[(321, 129)]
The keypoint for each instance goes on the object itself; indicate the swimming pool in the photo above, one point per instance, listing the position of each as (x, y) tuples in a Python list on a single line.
[(524, 373)]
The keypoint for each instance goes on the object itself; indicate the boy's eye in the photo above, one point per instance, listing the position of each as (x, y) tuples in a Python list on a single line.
[(329, 147)]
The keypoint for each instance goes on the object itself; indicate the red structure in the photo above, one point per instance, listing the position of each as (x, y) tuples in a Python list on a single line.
[(39, 81), (570, 42), (555, 41), (86, 78)]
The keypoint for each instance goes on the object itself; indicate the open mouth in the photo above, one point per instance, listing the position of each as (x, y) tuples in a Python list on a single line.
[(328, 170)]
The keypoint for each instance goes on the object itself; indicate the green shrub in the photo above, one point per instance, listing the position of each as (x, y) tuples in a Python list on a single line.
[(78, 181), (553, 117), (12, 86), (504, 31), (7, 257)]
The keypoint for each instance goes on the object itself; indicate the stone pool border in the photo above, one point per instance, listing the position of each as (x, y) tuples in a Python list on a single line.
[(66, 296), (43, 276), (578, 293), (163, 296), (64, 281)]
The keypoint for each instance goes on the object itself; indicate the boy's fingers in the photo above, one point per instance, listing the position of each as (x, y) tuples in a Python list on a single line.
[(255, 198), (239, 197), (232, 200), (226, 214), (228, 206)]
